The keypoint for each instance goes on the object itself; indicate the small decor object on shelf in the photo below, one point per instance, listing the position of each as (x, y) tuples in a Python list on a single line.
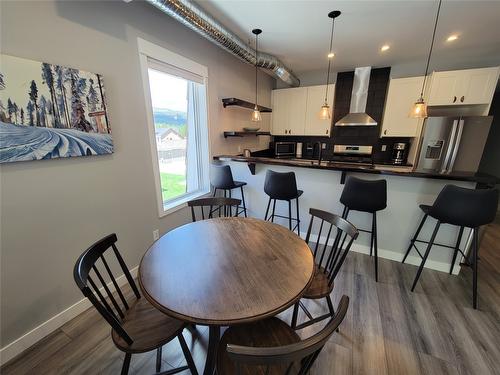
[(251, 129), (50, 111)]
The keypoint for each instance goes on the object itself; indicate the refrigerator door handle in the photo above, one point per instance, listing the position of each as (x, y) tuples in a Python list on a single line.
[(449, 147), (456, 144)]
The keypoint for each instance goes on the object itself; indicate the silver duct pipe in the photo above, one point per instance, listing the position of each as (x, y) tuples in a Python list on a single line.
[(196, 19)]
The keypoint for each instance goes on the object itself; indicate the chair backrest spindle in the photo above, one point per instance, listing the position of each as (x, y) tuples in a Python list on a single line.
[(221, 206), (86, 264), (330, 257)]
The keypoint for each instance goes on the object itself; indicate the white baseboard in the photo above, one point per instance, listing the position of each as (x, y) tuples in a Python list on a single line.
[(393, 255), (36, 334)]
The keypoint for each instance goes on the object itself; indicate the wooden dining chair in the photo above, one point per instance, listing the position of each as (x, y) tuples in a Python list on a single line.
[(137, 326), (214, 207), (271, 347), (328, 260)]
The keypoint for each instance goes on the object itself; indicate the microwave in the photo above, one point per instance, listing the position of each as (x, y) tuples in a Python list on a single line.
[(284, 149)]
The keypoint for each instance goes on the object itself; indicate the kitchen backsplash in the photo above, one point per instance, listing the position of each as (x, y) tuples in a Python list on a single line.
[(310, 149)]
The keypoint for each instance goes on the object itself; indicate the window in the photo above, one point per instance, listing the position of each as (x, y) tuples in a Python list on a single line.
[(175, 90)]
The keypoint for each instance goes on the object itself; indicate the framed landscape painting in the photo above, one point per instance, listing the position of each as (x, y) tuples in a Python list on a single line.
[(50, 111)]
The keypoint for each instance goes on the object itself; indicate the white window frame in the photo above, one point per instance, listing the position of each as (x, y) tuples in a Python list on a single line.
[(149, 50)]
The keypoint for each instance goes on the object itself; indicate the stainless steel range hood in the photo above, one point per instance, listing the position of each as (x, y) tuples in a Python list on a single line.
[(357, 112)]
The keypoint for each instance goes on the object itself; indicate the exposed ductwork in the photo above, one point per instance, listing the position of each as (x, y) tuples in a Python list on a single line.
[(198, 20)]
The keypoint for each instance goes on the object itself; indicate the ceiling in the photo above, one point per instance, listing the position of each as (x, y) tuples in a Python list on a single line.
[(298, 32)]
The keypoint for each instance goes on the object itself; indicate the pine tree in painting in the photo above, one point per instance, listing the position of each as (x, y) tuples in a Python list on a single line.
[(61, 98), (43, 111), (92, 96), (16, 111), (22, 116), (10, 109), (33, 94), (30, 108), (2, 81), (48, 79)]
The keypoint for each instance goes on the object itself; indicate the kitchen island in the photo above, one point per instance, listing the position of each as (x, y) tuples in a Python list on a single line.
[(323, 183)]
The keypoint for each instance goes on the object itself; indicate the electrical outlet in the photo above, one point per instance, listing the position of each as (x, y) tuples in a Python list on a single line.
[(156, 235), (239, 148), (384, 148)]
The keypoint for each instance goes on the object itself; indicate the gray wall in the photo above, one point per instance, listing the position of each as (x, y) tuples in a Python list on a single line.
[(52, 210)]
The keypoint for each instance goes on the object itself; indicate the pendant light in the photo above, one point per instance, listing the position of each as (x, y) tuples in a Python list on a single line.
[(256, 113), (325, 113), (419, 109)]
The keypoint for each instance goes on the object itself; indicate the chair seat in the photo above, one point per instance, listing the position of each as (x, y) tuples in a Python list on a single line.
[(426, 208), (148, 327), (265, 333), (238, 184), (299, 193), (319, 287)]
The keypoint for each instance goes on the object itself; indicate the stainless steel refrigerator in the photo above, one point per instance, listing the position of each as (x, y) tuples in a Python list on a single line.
[(453, 143)]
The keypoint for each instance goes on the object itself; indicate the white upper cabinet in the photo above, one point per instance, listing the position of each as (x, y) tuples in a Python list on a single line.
[(295, 111), (401, 95), (315, 99), (462, 87), (478, 85), (279, 115)]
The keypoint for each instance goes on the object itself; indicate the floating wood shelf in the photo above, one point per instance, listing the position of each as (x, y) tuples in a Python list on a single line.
[(244, 104), (243, 133)]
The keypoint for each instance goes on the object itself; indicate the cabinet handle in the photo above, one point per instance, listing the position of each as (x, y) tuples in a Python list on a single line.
[(454, 99), (462, 98), (286, 131), (385, 132), (326, 131)]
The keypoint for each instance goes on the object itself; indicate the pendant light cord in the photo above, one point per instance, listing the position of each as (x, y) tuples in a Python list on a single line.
[(256, 58), (430, 50), (329, 63)]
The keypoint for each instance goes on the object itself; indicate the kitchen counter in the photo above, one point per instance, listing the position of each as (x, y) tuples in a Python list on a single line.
[(405, 171), (323, 185)]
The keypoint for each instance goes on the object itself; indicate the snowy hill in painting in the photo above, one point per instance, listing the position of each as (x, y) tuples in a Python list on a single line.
[(23, 143)]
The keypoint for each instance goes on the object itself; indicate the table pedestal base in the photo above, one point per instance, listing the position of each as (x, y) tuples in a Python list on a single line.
[(213, 344)]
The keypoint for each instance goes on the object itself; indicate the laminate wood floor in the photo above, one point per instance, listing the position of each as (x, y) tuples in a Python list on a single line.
[(388, 329)]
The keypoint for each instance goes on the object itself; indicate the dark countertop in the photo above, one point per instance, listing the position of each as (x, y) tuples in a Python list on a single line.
[(480, 178)]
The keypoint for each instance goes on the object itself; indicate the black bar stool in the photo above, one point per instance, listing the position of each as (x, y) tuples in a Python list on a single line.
[(465, 208), (282, 187), (221, 178), (365, 196)]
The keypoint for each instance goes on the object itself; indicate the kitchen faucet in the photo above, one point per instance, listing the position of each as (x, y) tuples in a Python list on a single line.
[(320, 149)]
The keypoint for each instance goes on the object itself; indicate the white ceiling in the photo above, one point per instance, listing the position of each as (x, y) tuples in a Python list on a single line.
[(298, 32)]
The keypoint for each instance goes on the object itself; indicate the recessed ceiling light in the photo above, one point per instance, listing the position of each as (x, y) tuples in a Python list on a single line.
[(385, 47), (330, 55), (452, 38)]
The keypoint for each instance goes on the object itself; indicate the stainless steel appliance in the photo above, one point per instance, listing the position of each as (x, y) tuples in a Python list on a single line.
[(352, 154), (284, 149), (453, 143), (357, 115), (298, 152), (399, 153)]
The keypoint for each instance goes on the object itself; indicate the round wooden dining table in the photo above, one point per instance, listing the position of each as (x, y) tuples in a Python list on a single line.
[(225, 271)]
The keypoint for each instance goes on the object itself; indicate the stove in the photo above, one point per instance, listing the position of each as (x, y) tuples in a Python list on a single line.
[(352, 154)]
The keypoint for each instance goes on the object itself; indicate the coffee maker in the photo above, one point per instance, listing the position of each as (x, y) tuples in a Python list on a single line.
[(399, 151)]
